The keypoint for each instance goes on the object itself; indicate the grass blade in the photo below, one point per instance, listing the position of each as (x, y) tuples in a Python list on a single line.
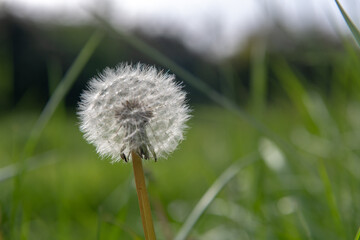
[(305, 225), (355, 32), (33, 163), (63, 88), (211, 193), (330, 198), (295, 90), (357, 237), (48, 111), (258, 77)]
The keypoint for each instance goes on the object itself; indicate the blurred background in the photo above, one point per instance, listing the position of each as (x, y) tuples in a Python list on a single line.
[(282, 83)]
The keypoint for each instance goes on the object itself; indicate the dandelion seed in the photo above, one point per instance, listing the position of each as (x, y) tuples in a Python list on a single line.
[(133, 108)]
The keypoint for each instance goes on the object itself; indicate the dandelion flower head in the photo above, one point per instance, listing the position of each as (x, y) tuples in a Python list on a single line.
[(133, 108)]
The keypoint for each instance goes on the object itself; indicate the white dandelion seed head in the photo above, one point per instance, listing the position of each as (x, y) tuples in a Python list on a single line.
[(133, 108)]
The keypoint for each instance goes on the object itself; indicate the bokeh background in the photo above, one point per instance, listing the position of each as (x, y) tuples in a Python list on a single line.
[(277, 82)]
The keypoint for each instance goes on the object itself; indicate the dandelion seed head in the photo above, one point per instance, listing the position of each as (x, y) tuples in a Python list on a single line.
[(133, 108)]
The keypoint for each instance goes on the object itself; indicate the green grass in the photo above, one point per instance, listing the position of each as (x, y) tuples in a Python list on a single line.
[(27, 150), (80, 196)]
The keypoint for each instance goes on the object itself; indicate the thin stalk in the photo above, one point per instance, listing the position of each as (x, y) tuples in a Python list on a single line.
[(355, 32), (330, 197), (357, 237), (144, 203), (258, 78), (32, 163), (63, 88)]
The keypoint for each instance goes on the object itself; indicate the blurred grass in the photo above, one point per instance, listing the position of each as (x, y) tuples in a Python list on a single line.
[(62, 200), (258, 78), (27, 150), (357, 237), (211, 193), (63, 88)]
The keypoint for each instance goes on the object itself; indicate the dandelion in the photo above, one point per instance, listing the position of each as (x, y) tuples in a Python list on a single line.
[(133, 108), (133, 113)]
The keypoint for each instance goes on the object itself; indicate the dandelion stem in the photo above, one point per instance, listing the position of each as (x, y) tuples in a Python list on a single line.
[(144, 203)]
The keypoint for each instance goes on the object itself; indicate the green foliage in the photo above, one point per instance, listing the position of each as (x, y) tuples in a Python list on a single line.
[(75, 193)]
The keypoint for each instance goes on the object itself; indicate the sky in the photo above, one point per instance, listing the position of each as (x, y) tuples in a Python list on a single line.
[(213, 27)]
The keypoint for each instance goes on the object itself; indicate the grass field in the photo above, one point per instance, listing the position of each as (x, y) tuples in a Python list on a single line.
[(73, 194)]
